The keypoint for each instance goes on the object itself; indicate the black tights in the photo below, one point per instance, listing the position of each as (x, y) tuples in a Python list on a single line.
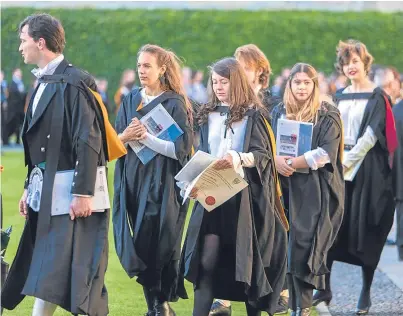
[(367, 278), (204, 295)]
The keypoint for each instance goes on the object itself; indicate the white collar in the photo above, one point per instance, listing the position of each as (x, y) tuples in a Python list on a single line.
[(49, 69)]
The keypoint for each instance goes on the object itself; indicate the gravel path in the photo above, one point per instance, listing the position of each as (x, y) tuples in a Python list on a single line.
[(387, 298)]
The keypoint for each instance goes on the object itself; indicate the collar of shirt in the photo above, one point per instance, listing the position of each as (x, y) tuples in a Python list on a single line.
[(49, 69)]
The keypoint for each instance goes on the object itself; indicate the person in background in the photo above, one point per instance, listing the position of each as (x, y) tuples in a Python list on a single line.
[(198, 90), (127, 84), (4, 96), (31, 91), (370, 141), (15, 107), (102, 85)]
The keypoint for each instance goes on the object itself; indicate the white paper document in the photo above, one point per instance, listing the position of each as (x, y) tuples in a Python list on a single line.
[(160, 124), (294, 139), (350, 173), (214, 187), (62, 197)]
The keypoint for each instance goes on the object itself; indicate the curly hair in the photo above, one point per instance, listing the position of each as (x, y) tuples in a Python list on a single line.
[(241, 95), (256, 59), (345, 50)]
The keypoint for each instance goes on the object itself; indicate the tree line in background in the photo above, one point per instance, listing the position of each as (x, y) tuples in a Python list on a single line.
[(105, 42)]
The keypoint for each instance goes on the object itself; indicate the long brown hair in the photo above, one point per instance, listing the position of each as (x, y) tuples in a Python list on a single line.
[(241, 95), (171, 80), (309, 110), (256, 59)]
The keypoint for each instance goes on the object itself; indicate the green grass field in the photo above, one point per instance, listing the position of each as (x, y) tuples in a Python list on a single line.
[(125, 294)]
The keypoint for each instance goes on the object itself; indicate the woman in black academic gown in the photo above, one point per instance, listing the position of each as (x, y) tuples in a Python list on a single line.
[(238, 251), (370, 140), (315, 198), (148, 214), (257, 69)]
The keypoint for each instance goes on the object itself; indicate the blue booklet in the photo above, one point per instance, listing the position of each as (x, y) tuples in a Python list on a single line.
[(159, 123), (294, 139)]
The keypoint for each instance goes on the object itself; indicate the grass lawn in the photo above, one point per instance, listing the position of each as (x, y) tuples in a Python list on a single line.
[(125, 294)]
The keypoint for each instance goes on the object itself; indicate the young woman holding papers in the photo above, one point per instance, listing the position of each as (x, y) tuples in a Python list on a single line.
[(238, 250), (257, 69), (315, 198), (370, 140), (148, 214)]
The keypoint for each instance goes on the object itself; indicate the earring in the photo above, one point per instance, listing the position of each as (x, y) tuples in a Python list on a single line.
[(162, 79)]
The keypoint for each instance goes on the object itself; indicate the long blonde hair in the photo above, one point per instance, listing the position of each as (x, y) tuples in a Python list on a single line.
[(241, 95), (171, 80), (308, 111)]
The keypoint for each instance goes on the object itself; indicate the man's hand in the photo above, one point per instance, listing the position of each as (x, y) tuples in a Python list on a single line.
[(23, 204), (80, 207)]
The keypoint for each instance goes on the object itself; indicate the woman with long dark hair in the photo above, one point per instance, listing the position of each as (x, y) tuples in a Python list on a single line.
[(237, 251)]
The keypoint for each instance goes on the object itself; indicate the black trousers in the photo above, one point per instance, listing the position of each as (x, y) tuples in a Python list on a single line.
[(301, 293)]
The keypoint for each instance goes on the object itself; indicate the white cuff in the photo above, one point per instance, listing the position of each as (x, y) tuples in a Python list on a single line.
[(247, 158), (317, 158)]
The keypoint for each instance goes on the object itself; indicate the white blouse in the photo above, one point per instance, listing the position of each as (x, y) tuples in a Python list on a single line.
[(352, 114), (231, 142)]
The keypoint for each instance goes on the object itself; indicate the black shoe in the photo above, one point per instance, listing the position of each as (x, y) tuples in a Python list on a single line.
[(322, 296), (282, 306), (364, 304), (303, 311), (163, 309), (150, 313), (217, 309)]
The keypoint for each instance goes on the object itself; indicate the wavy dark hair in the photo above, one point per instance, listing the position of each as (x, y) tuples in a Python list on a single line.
[(241, 95)]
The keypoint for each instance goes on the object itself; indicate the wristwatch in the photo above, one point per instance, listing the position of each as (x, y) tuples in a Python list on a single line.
[(289, 162)]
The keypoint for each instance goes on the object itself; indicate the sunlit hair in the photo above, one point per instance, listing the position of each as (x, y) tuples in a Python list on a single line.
[(254, 58), (172, 76), (296, 111), (345, 50), (241, 95)]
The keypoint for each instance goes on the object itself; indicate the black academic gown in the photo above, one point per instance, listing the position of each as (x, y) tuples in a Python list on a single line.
[(316, 202), (369, 203), (59, 260), (252, 268), (148, 215)]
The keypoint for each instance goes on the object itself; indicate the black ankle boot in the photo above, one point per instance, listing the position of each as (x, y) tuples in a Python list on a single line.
[(322, 296), (150, 302), (163, 309), (364, 303)]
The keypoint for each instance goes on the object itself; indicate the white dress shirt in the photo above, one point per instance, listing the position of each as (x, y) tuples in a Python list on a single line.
[(352, 114), (49, 69), (231, 142)]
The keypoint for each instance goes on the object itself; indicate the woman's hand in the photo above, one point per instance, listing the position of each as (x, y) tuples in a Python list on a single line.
[(225, 163), (282, 167), (135, 131)]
